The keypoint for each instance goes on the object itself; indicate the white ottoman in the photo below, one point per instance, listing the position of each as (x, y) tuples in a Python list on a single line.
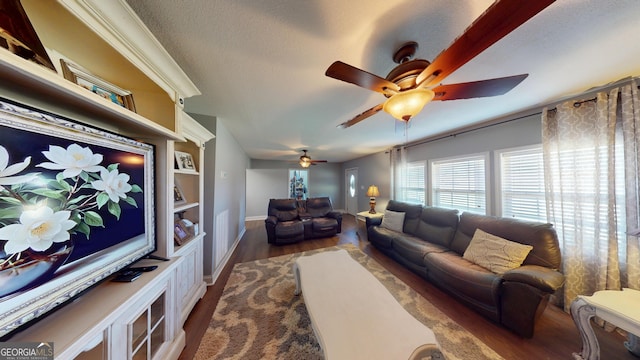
[(354, 316)]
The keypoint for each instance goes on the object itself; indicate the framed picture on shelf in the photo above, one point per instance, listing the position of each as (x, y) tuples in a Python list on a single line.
[(18, 35), (185, 161), (110, 92), (178, 195), (180, 232)]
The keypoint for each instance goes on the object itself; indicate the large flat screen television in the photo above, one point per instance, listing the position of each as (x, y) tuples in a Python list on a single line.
[(76, 205)]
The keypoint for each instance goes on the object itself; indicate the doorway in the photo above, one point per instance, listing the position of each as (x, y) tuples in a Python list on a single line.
[(351, 191)]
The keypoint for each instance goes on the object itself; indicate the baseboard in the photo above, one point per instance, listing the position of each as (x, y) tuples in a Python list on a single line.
[(254, 218), (211, 279), (177, 345)]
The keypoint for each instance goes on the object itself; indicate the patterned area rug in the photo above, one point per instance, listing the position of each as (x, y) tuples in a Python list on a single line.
[(259, 317)]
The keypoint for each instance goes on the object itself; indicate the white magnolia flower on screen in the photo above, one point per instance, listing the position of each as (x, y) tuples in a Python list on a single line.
[(7, 171), (116, 185), (73, 160), (38, 229)]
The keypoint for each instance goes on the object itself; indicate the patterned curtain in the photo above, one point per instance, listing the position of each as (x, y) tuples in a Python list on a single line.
[(590, 154), (399, 173)]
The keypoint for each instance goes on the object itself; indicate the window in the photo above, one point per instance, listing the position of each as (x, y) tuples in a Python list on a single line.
[(585, 191), (520, 184), (414, 186), (460, 183), (352, 185)]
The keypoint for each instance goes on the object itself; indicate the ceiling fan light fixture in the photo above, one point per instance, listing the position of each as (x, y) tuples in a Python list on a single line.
[(407, 104), (305, 161)]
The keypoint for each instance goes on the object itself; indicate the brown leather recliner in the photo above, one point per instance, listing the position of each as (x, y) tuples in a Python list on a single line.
[(283, 222), (320, 220), (290, 220)]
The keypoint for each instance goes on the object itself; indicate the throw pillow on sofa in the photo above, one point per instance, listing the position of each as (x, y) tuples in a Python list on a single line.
[(495, 253), (393, 220)]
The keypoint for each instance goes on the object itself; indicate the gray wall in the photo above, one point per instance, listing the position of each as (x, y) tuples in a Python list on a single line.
[(262, 185), (372, 170), (224, 187), (265, 175), (375, 168)]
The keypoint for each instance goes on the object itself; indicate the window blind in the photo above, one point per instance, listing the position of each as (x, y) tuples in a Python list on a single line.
[(522, 184), (414, 190), (459, 183)]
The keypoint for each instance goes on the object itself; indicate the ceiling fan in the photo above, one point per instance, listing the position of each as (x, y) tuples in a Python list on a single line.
[(305, 160), (415, 82)]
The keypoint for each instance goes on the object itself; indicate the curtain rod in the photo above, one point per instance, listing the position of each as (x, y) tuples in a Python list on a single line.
[(490, 124)]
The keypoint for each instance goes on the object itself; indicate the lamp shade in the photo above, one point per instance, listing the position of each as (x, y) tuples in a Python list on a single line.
[(407, 104), (373, 191)]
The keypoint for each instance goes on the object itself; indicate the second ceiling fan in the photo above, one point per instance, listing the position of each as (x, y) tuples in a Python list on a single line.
[(305, 160), (413, 83)]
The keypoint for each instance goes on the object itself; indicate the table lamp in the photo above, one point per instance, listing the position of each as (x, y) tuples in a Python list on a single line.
[(372, 192)]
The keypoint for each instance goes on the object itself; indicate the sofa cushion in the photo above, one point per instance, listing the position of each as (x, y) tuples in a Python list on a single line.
[(495, 253), (289, 229), (437, 225), (318, 207), (543, 237), (381, 237), (413, 249), (472, 283), (324, 224), (393, 220), (283, 209), (411, 211)]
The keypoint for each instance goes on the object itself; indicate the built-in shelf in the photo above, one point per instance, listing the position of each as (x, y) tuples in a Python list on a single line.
[(109, 41), (185, 207)]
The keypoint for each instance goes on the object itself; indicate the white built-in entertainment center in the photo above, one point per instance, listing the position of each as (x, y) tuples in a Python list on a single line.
[(119, 320)]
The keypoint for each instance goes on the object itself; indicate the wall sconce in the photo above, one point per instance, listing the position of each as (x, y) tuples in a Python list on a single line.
[(372, 192)]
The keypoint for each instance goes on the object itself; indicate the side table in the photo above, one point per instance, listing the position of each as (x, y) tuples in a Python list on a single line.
[(363, 216), (617, 307)]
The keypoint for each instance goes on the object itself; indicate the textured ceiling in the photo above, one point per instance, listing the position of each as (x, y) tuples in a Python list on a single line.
[(260, 64)]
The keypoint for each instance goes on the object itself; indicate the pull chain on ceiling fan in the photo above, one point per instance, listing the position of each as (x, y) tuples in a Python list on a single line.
[(414, 83)]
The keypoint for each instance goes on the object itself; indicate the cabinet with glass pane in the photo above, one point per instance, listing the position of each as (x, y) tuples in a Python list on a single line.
[(148, 330), (144, 331)]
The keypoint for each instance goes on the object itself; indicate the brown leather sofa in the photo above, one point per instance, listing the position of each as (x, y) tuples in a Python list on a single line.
[(432, 245), (289, 220)]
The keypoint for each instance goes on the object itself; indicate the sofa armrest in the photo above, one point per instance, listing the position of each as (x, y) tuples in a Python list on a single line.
[(304, 215), (271, 220), (335, 214), (373, 221), (543, 278)]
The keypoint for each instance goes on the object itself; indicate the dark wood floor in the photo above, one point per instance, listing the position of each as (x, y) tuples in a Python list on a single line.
[(556, 336)]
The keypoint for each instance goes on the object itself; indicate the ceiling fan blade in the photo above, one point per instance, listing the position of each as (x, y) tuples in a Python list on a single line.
[(477, 89), (374, 110), (318, 161), (345, 72), (496, 22)]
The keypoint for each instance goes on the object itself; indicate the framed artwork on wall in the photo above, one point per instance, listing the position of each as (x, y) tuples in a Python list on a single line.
[(298, 184)]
